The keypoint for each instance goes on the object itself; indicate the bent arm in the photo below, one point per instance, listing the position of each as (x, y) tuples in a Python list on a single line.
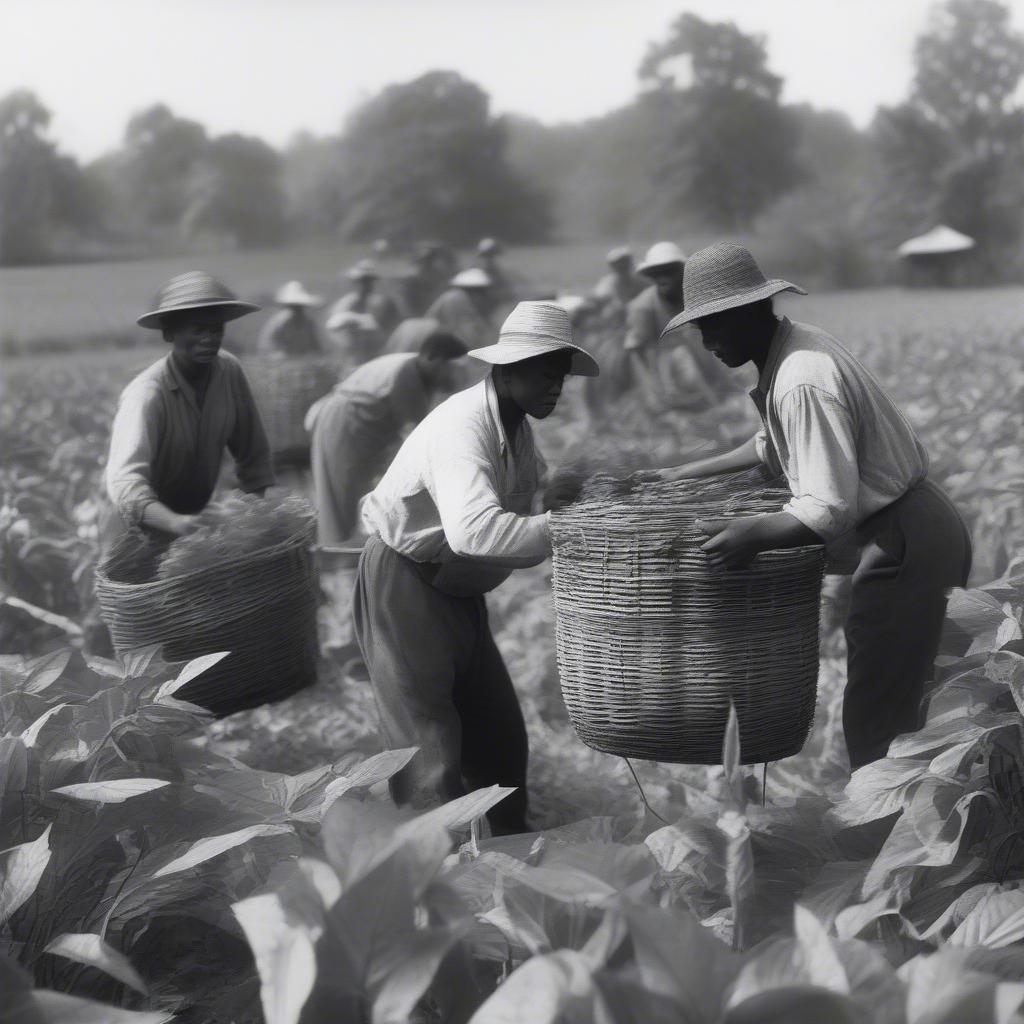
[(744, 457)]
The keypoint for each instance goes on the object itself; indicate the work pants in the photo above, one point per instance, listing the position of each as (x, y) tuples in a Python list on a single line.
[(914, 551), (346, 462), (441, 685)]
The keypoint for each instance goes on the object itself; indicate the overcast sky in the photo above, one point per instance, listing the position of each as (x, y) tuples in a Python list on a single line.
[(273, 67)]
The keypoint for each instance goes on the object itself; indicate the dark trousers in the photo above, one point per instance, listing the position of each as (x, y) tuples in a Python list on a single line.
[(914, 551), (441, 685)]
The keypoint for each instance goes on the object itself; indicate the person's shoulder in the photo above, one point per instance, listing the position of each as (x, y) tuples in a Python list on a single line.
[(645, 301), (149, 382), (811, 357), (229, 362)]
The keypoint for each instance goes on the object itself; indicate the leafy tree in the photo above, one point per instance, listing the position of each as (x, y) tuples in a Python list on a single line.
[(312, 180), (160, 152), (952, 152), (26, 167), (729, 147), (426, 158), (235, 192)]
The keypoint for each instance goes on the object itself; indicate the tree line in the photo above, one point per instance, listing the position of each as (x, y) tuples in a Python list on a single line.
[(707, 145)]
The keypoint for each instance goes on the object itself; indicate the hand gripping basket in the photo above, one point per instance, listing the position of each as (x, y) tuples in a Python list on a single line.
[(261, 608), (284, 391), (653, 643)]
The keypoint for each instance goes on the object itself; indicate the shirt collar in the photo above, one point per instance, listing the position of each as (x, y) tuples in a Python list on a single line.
[(779, 338), (175, 381)]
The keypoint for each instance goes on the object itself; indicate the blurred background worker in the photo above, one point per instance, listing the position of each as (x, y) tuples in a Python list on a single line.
[(433, 266), (358, 426), (616, 289), (360, 339), (176, 418), (678, 373), (291, 331), (504, 291), (465, 308), (411, 333)]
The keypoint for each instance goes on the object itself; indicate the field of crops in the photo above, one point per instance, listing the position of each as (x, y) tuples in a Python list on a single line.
[(253, 869)]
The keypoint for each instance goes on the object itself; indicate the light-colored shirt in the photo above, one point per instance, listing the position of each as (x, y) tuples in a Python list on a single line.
[(165, 447), (844, 447), (289, 333), (382, 396), (381, 307), (457, 313), (459, 488)]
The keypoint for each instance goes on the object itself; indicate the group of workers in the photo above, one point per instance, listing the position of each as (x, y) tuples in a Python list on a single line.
[(464, 500)]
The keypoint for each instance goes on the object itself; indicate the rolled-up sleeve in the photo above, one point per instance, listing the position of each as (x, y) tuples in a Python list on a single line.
[(133, 437), (474, 522), (823, 472), (248, 442)]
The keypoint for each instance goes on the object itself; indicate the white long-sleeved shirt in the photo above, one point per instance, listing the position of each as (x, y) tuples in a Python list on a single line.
[(459, 489), (844, 447)]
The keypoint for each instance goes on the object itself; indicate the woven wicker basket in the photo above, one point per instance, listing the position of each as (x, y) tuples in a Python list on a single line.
[(653, 643), (284, 390), (261, 609)]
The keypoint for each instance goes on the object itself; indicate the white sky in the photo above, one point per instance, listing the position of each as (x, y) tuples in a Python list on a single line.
[(273, 67)]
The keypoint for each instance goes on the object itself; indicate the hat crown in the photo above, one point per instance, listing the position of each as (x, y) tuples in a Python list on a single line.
[(664, 252), (547, 321), (472, 278), (191, 289), (718, 272)]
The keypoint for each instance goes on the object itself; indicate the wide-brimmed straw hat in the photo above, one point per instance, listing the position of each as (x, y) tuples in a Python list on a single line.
[(661, 254), (537, 329), (724, 276), (364, 269), (294, 294), (195, 289), (472, 278)]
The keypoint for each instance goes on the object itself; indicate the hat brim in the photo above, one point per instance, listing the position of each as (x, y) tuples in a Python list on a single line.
[(646, 268), (231, 309), (517, 350), (303, 300), (743, 298)]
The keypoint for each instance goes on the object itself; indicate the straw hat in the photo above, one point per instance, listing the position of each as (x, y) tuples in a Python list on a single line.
[(472, 278), (195, 289), (293, 294), (661, 254), (724, 276), (618, 255), (535, 329), (364, 269), (488, 245)]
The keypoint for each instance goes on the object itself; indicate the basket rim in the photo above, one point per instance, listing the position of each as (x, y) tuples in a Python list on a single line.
[(299, 539)]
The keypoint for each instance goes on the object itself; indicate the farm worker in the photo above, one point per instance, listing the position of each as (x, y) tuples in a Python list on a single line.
[(465, 308), (361, 339), (291, 331), (449, 521), (616, 289), (677, 373), (175, 419), (858, 475), (358, 426), (433, 265), (503, 289)]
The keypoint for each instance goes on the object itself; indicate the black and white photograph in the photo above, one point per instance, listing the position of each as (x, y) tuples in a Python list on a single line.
[(512, 512)]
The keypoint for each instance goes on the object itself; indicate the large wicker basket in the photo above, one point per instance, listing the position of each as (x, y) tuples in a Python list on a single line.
[(284, 390), (262, 609), (653, 643)]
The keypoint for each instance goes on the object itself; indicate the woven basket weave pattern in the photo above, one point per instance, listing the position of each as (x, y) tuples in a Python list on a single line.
[(652, 642), (284, 390), (262, 609)]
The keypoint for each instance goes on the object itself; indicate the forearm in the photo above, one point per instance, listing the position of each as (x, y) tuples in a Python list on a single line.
[(158, 516), (780, 530), (744, 457)]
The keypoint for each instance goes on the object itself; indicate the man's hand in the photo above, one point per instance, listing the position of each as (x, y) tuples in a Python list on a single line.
[(560, 493), (733, 543), (181, 525)]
